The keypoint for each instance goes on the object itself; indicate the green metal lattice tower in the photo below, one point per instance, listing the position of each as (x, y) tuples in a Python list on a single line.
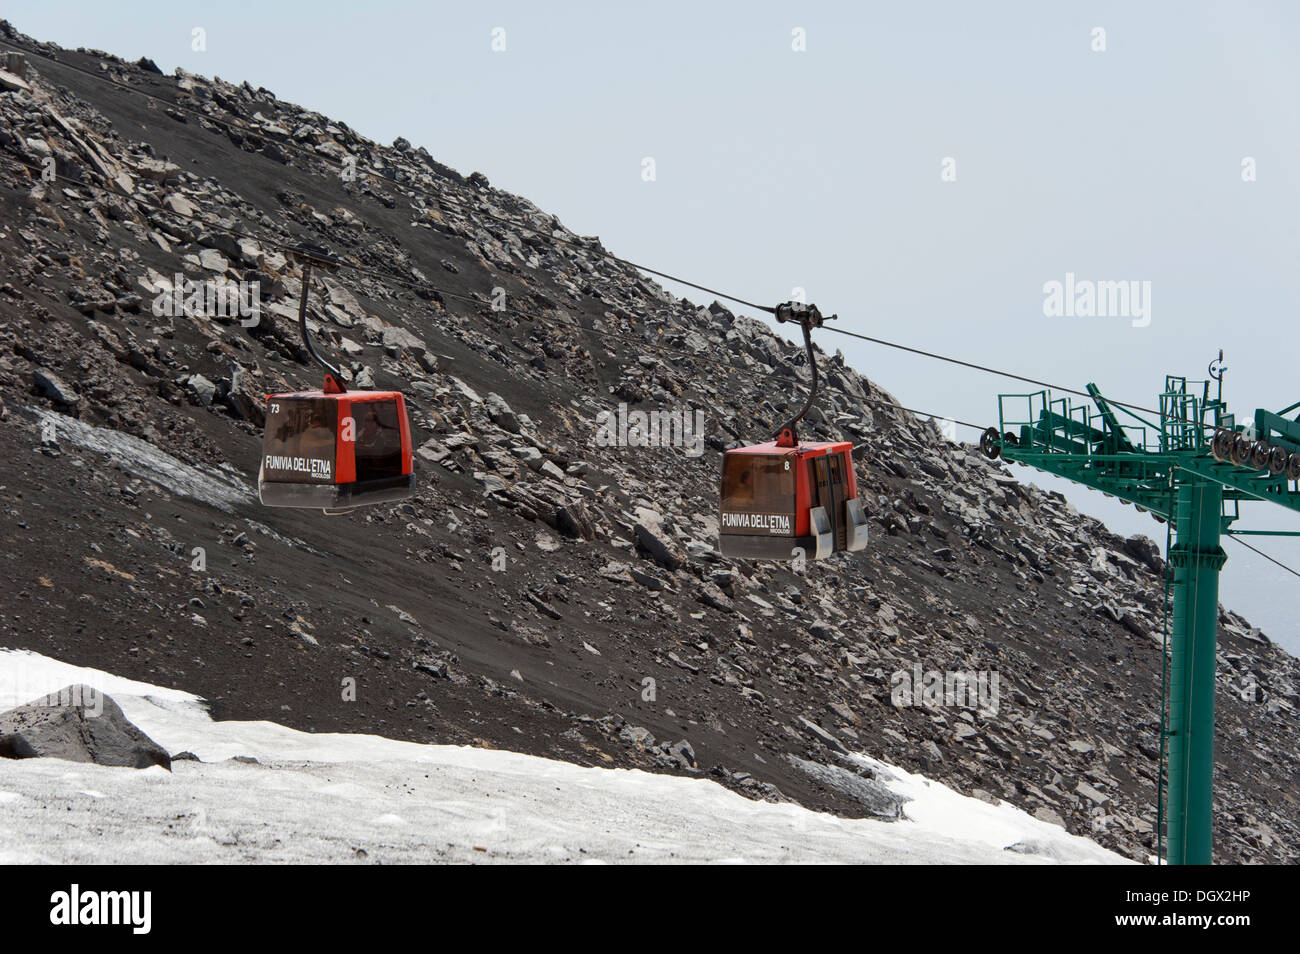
[(1193, 469)]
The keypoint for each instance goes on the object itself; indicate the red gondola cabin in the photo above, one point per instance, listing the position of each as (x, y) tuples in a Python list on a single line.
[(776, 498), (335, 451)]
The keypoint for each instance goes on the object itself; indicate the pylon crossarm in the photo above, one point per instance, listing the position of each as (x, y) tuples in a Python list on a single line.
[(1139, 479), (1071, 449), (1242, 484)]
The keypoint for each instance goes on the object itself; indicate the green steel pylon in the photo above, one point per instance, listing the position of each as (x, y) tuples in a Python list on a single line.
[(1192, 469), (1197, 559)]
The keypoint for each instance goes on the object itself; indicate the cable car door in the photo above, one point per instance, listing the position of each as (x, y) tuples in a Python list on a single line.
[(839, 484), (827, 479)]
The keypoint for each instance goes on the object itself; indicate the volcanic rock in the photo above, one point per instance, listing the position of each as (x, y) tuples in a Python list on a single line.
[(79, 724)]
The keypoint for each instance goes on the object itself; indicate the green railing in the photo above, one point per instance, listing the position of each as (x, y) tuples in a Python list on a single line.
[(1060, 425)]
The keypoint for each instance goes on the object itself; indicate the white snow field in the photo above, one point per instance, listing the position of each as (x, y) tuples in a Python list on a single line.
[(331, 798)]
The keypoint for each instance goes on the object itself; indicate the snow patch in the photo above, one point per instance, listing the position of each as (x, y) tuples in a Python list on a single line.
[(223, 489), (364, 798), (947, 813)]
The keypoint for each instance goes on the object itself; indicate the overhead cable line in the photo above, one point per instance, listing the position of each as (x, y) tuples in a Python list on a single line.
[(1266, 556), (412, 189), (416, 284)]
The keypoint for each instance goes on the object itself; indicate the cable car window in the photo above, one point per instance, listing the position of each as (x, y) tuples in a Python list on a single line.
[(837, 470), (300, 440), (758, 483), (379, 439)]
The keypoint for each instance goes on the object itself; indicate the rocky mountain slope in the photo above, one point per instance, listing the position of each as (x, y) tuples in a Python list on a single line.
[(542, 592)]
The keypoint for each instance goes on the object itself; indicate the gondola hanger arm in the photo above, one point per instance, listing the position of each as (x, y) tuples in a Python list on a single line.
[(808, 317), (309, 255)]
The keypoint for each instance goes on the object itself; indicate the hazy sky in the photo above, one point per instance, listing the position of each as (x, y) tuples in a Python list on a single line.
[(821, 168)]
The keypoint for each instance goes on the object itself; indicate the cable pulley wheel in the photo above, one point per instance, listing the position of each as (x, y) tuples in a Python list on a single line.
[(1276, 461), (989, 444), (1221, 446), (1240, 452)]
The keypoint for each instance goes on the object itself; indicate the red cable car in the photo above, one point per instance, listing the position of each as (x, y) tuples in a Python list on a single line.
[(787, 494), (334, 449)]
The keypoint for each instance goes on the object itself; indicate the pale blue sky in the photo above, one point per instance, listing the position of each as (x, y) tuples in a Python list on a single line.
[(821, 169)]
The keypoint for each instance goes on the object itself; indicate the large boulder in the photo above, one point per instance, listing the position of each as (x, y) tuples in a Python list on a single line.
[(501, 413), (202, 389), (79, 724), (52, 386), (1146, 551), (397, 340), (651, 540), (244, 398), (573, 520)]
